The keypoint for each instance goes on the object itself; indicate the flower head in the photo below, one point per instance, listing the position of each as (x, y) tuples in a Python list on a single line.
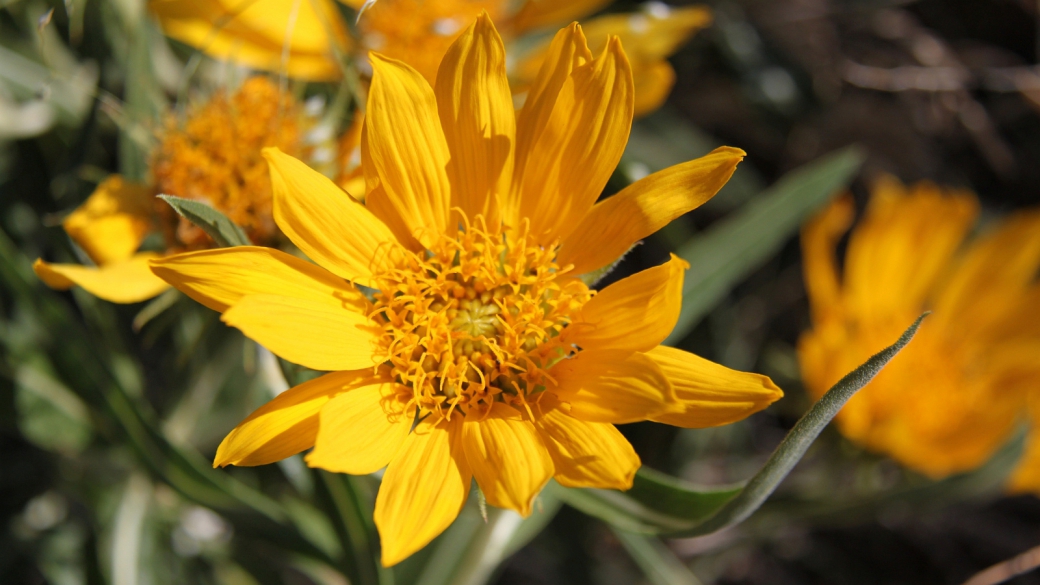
[(955, 394), (214, 156), (478, 352)]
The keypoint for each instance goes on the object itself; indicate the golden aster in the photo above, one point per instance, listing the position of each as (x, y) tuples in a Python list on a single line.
[(213, 157), (478, 353), (955, 394)]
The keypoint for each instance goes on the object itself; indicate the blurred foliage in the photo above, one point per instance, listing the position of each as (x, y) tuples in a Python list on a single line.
[(109, 414)]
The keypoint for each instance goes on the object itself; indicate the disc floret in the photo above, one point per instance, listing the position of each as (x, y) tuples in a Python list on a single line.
[(475, 319)]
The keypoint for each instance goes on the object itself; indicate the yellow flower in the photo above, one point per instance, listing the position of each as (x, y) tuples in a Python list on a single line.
[(480, 354), (955, 394), (214, 157), (419, 32), (254, 32)]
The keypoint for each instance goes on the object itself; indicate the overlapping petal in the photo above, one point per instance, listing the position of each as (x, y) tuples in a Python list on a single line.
[(476, 113), (423, 490), (128, 281), (360, 431), (635, 313), (403, 148), (288, 424), (570, 159), (220, 278), (615, 224), (711, 394), (326, 223), (613, 386), (321, 335), (507, 457), (586, 454)]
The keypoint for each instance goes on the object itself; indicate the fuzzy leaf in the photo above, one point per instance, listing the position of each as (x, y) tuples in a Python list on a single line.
[(216, 225)]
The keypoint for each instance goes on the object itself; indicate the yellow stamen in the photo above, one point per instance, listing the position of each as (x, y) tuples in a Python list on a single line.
[(476, 319)]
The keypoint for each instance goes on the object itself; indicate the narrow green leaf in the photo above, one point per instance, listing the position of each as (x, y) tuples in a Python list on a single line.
[(657, 561), (156, 307), (658, 504), (216, 225), (732, 248)]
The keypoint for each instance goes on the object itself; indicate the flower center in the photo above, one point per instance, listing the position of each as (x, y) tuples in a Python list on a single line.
[(474, 320)]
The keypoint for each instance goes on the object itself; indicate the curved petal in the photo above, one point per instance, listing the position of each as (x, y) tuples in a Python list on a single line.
[(635, 313), (320, 335), (711, 394), (220, 278), (360, 431), (403, 145), (423, 490), (549, 13), (573, 156), (326, 223), (129, 281), (288, 424), (587, 454), (477, 115), (615, 224), (113, 221), (507, 457), (653, 83), (613, 386), (567, 51), (820, 237), (254, 33), (650, 35)]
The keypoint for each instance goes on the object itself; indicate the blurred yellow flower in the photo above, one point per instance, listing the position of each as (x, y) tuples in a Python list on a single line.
[(254, 32), (480, 353), (213, 157), (955, 394), (419, 32)]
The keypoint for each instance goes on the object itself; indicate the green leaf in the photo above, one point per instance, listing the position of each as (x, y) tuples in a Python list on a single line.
[(658, 504), (216, 225), (732, 248), (657, 561)]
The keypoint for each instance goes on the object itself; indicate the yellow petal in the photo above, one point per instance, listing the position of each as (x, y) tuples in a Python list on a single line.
[(507, 457), (820, 237), (403, 145), (287, 424), (653, 83), (255, 33), (321, 335), (635, 313), (326, 223), (711, 394), (360, 431), (573, 156), (220, 278), (567, 51), (113, 221), (613, 386), (550, 13), (992, 275), (587, 454), (129, 281), (423, 490), (615, 224), (649, 35), (477, 115)]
